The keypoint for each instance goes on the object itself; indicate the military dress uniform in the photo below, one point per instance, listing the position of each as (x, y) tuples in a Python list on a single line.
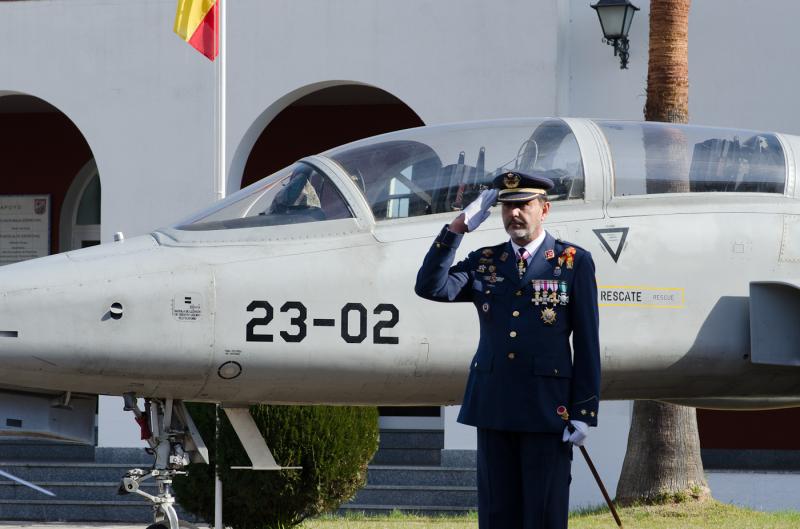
[(525, 380)]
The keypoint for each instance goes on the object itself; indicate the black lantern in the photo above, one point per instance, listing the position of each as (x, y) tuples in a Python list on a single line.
[(615, 18)]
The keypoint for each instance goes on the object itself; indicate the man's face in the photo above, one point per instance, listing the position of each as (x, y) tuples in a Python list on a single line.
[(523, 220)]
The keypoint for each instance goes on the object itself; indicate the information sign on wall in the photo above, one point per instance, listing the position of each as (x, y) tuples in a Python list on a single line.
[(24, 227)]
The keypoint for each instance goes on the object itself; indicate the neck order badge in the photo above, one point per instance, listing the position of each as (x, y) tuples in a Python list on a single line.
[(522, 261), (196, 22)]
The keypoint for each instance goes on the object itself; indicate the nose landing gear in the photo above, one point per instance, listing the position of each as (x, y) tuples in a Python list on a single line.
[(175, 442)]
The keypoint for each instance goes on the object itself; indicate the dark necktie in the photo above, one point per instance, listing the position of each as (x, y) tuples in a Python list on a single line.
[(522, 261)]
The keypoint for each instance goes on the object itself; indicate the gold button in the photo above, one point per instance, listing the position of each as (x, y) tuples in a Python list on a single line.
[(511, 356), (518, 292), (488, 291), (555, 371), (515, 313), (476, 364), (513, 334), (438, 245), (592, 414), (583, 412)]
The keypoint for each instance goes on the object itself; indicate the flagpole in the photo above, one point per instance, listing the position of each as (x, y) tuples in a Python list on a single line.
[(220, 189)]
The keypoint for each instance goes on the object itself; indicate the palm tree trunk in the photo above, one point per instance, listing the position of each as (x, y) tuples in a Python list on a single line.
[(668, 66), (662, 462)]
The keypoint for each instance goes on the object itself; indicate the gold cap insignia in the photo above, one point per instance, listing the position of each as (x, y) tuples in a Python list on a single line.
[(511, 180)]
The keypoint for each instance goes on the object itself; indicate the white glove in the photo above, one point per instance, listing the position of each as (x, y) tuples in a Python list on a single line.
[(478, 210), (578, 437)]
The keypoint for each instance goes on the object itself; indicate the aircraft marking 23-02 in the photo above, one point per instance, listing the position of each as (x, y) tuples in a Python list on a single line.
[(354, 314)]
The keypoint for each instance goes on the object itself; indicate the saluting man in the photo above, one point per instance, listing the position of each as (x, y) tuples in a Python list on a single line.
[(530, 396)]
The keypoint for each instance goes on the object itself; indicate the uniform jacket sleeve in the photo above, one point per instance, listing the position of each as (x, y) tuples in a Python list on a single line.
[(436, 279), (585, 397)]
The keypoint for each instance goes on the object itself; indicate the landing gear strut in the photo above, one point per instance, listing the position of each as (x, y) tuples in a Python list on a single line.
[(175, 442)]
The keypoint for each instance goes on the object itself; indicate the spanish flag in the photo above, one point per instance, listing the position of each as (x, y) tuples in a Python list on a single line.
[(196, 23)]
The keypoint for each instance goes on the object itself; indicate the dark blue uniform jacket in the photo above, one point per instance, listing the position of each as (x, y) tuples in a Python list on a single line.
[(524, 374)]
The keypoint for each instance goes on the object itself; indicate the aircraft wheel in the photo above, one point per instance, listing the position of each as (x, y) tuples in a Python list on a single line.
[(158, 526)]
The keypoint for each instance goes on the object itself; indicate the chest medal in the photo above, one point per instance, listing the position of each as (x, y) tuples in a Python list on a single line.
[(548, 315)]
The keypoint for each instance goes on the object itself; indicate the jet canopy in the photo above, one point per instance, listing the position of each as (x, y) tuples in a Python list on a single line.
[(414, 172)]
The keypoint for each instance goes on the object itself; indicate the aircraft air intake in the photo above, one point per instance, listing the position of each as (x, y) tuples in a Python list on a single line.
[(774, 313)]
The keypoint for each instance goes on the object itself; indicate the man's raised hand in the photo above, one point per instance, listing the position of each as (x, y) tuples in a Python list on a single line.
[(478, 210)]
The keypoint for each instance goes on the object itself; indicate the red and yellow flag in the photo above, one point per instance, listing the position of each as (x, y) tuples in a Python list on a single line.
[(196, 23)]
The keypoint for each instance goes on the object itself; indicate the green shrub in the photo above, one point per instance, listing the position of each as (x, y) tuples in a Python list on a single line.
[(333, 444)]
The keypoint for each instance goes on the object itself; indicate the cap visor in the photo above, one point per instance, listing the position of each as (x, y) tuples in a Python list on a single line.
[(519, 197)]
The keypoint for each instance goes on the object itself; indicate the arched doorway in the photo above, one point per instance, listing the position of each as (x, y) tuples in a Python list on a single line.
[(44, 154), (323, 119)]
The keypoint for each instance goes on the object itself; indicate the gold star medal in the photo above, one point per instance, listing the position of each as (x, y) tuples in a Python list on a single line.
[(548, 316)]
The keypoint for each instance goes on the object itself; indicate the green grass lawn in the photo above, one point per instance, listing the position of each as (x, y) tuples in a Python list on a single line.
[(705, 515)]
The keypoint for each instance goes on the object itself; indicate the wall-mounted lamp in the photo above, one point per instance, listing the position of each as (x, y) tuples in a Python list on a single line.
[(615, 19)]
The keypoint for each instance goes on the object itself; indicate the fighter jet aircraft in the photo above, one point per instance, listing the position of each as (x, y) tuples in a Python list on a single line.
[(300, 287)]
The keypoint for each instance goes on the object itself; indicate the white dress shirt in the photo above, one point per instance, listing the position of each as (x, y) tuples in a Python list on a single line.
[(531, 247)]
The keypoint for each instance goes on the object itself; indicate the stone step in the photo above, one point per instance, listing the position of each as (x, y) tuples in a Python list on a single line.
[(410, 496), (403, 476), (136, 457), (76, 511), (421, 475), (109, 511), (407, 456), (67, 472), (73, 490), (417, 439), (45, 451)]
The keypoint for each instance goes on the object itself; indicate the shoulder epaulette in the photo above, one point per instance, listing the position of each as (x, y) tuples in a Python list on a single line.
[(567, 243)]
